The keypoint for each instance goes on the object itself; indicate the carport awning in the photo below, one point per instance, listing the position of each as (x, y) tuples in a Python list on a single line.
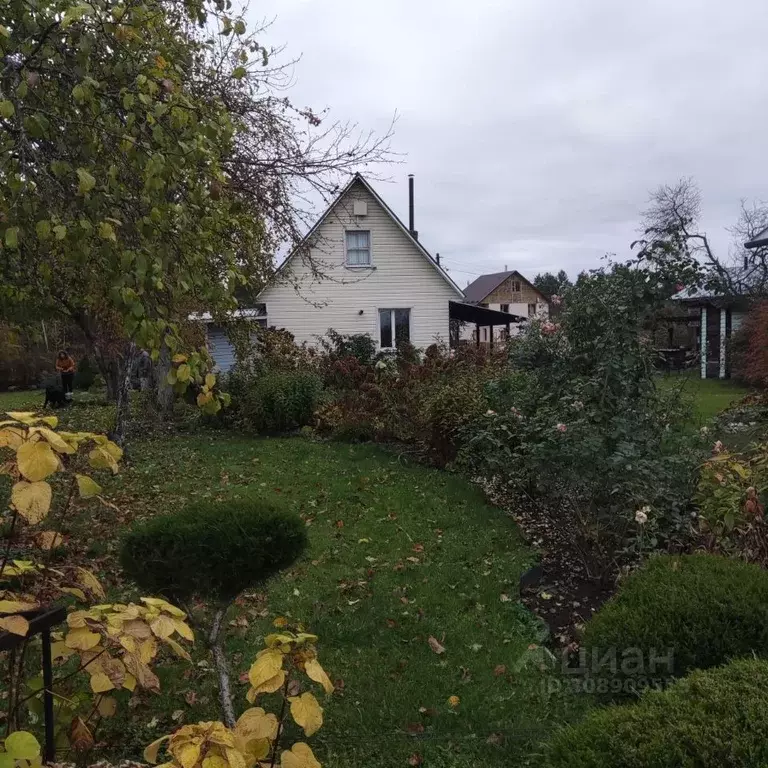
[(477, 315)]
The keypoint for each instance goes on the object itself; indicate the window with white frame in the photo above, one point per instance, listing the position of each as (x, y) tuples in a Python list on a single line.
[(394, 327), (358, 244)]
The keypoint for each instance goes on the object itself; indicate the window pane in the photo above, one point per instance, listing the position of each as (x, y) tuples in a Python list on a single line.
[(358, 246), (385, 327), (403, 325)]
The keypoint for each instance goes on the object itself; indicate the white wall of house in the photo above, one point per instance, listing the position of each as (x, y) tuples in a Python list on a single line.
[(348, 298)]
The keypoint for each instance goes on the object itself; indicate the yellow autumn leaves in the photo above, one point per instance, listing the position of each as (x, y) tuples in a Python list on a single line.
[(38, 456), (117, 642), (255, 735)]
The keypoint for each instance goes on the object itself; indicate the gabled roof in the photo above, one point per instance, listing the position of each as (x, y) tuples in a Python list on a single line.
[(759, 240), (485, 284), (419, 247)]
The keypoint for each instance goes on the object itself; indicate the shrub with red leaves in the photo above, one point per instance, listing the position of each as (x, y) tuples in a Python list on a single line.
[(749, 347)]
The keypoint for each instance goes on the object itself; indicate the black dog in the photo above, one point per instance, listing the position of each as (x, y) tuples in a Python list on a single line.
[(54, 392), (55, 397)]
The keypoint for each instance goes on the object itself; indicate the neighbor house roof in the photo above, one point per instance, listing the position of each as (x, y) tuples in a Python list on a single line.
[(475, 292), (759, 240), (419, 247), (742, 279)]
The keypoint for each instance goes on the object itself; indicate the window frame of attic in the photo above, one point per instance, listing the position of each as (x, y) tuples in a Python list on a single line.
[(357, 249)]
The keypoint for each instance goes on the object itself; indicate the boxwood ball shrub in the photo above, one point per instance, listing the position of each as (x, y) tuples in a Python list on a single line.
[(706, 609), (212, 550), (711, 719)]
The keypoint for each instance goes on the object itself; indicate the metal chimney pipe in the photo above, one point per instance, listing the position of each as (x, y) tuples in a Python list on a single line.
[(410, 207), (437, 258)]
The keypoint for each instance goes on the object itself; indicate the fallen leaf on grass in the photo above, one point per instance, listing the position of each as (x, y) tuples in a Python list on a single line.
[(499, 670), (453, 701), (415, 727), (415, 759), (191, 696), (435, 645), (505, 598)]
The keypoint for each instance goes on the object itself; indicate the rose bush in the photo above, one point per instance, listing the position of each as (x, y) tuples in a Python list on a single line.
[(580, 426)]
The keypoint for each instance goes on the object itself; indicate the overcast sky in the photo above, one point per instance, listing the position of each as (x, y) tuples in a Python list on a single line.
[(536, 128)]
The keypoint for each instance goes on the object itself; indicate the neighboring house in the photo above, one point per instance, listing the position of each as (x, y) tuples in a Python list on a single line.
[(361, 270), (507, 292)]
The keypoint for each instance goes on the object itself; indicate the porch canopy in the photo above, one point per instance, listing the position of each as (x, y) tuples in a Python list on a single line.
[(482, 317)]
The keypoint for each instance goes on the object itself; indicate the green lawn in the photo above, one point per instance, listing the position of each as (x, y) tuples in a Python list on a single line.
[(710, 396), (397, 554)]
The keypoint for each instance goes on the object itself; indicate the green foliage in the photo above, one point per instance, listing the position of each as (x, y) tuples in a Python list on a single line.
[(113, 156), (712, 719), (552, 285), (580, 425), (706, 609), (212, 550), (361, 346), (273, 401), (85, 374)]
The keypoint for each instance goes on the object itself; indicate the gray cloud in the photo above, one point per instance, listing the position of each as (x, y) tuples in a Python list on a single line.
[(536, 128)]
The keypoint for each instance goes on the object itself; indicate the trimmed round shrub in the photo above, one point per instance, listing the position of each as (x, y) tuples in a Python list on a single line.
[(703, 609), (212, 550), (711, 719)]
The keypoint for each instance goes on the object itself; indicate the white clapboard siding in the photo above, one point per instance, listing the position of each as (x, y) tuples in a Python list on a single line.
[(348, 299)]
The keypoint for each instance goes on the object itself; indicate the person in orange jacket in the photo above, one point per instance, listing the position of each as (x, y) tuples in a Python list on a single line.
[(65, 365)]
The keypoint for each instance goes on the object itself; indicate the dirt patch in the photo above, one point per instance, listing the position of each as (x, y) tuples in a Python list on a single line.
[(566, 587)]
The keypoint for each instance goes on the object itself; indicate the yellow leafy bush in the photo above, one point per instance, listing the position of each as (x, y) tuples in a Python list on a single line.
[(256, 735)]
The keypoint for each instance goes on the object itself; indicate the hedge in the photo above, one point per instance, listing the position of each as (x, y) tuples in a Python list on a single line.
[(706, 609), (711, 719)]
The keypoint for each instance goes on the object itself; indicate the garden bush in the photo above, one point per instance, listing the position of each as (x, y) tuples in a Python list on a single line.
[(85, 375), (338, 346), (212, 549), (705, 608), (579, 425), (748, 347), (265, 400), (712, 719)]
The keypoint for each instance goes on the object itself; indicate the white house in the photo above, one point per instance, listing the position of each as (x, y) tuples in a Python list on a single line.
[(361, 270)]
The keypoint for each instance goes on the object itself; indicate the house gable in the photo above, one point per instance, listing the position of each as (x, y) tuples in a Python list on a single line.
[(315, 289), (506, 292)]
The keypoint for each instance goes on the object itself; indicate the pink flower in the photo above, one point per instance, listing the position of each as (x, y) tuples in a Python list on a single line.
[(549, 328), (561, 428), (556, 300), (718, 447), (679, 287)]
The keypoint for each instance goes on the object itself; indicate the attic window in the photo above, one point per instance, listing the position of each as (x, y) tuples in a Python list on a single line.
[(358, 247), (516, 286)]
